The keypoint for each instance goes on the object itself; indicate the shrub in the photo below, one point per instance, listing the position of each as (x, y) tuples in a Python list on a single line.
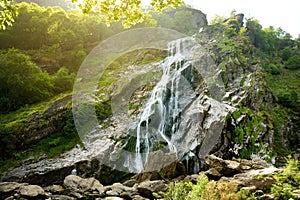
[(63, 81), (7, 142), (287, 181), (203, 190), (293, 63), (178, 190), (273, 69)]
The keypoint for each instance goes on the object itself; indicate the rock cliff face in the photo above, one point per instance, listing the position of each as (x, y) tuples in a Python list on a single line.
[(221, 91), (41, 125)]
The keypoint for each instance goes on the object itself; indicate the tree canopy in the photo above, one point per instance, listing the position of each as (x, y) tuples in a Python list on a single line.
[(129, 12), (7, 13), (21, 82)]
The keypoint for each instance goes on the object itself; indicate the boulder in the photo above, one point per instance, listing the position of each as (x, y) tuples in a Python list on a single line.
[(147, 188), (245, 173), (31, 191), (113, 198), (220, 167), (77, 183), (54, 189), (8, 187), (259, 178), (161, 165), (62, 197), (117, 189), (138, 197)]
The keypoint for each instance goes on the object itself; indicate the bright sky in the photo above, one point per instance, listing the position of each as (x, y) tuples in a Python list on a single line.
[(284, 14)]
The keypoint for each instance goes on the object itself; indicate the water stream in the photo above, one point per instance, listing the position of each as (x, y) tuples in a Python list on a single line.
[(160, 118)]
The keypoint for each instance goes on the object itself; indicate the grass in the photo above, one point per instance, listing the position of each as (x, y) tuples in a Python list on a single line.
[(23, 113), (50, 147)]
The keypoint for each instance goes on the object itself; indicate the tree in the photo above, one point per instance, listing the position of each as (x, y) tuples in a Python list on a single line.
[(8, 11), (63, 80), (217, 19), (21, 81), (129, 12)]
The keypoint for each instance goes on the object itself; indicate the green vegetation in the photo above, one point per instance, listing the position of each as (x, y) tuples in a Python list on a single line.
[(243, 47), (203, 190), (286, 182), (279, 56), (12, 154), (21, 82), (8, 11), (246, 133), (129, 12)]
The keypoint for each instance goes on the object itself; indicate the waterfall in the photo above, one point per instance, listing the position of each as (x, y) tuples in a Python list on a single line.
[(160, 118)]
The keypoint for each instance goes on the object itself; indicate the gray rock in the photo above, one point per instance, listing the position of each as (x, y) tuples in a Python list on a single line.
[(62, 197), (260, 178), (7, 187), (221, 167), (10, 198), (40, 125), (113, 198), (54, 189), (192, 178), (161, 165), (138, 197), (31, 191), (77, 183), (118, 189), (130, 182), (147, 188)]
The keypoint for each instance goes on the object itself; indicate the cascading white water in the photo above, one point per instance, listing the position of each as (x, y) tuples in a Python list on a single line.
[(160, 118)]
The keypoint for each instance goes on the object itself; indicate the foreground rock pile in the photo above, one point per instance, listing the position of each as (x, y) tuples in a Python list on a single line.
[(252, 175)]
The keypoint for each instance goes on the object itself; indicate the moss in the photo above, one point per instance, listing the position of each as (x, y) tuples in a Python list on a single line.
[(130, 144)]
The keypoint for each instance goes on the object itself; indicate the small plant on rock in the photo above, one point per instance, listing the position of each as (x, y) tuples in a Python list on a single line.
[(287, 181)]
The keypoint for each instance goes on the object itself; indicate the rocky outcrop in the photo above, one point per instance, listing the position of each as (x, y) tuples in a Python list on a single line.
[(161, 165), (199, 19), (77, 183), (255, 176), (219, 167), (41, 125), (53, 171)]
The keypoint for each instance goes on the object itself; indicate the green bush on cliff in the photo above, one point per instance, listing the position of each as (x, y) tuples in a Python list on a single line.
[(287, 181), (245, 133), (293, 63), (7, 143), (203, 190)]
